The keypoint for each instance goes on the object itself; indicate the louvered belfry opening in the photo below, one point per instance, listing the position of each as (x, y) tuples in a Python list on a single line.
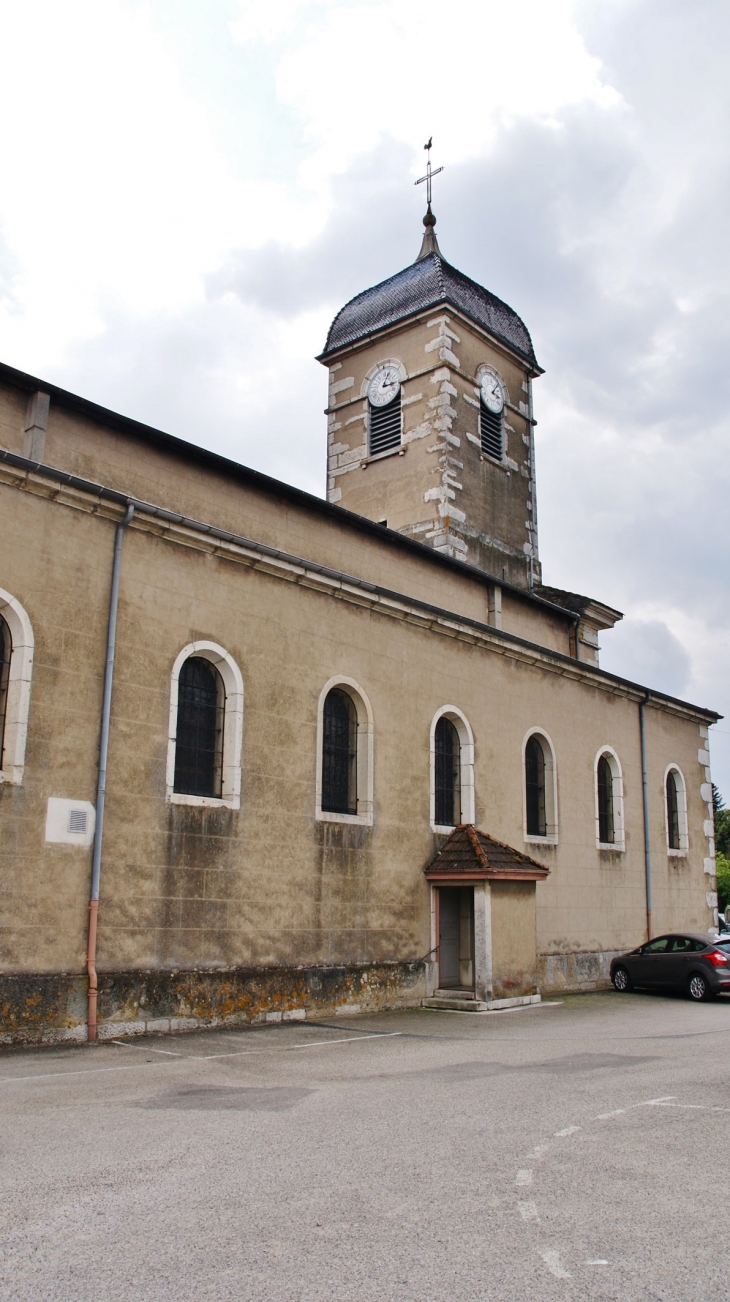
[(672, 812), (490, 431), (535, 788), (6, 648), (606, 830), (385, 426), (447, 746), (200, 717), (339, 754)]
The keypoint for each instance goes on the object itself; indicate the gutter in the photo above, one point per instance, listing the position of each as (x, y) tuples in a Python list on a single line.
[(645, 796), (597, 676), (101, 781), (263, 483)]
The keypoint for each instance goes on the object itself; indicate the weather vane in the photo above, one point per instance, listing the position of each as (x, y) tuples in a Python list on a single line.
[(430, 172)]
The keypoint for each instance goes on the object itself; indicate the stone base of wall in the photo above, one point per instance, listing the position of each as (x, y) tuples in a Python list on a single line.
[(46, 1009), (559, 973)]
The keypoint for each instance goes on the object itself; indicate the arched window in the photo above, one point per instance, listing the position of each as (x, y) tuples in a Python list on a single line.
[(448, 773), (339, 753), (6, 650), (452, 770), (344, 780), (16, 667), (609, 800), (206, 728), (201, 703), (605, 801), (535, 787), (672, 812), (676, 811), (540, 788)]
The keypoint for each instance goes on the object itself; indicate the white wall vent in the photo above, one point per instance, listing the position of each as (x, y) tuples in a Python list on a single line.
[(77, 819), (70, 822)]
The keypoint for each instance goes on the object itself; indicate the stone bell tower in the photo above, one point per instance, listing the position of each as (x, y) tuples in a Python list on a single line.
[(430, 415)]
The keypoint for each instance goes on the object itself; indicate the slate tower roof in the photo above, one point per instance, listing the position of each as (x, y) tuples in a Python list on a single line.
[(430, 282)]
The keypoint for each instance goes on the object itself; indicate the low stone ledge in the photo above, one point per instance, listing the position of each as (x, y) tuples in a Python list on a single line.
[(584, 970), (49, 1008)]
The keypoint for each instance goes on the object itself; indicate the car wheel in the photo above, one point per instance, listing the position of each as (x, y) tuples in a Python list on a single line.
[(622, 980), (699, 988)]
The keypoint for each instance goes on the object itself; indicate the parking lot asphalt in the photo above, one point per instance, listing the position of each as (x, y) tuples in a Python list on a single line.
[(572, 1150)]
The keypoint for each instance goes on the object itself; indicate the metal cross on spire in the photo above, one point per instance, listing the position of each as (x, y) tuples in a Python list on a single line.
[(430, 172)]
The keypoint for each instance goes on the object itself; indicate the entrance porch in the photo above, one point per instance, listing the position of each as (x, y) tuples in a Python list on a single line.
[(483, 916)]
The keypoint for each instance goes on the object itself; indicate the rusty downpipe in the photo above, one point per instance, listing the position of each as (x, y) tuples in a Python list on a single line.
[(101, 780)]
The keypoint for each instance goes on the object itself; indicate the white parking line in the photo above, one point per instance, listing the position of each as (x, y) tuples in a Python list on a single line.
[(167, 1052), (645, 1103), (528, 1211), (193, 1057), (693, 1107), (554, 1264), (311, 1044), (540, 1150), (569, 1130)]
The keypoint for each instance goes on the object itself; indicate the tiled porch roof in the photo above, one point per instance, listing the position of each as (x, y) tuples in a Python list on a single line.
[(471, 855)]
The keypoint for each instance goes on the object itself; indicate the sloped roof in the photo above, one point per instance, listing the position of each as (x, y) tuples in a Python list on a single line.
[(471, 855), (430, 282), (605, 616)]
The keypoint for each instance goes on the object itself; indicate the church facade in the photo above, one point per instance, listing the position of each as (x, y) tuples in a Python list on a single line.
[(266, 755)]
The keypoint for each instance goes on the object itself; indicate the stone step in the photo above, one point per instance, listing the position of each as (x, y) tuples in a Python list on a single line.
[(463, 1003)]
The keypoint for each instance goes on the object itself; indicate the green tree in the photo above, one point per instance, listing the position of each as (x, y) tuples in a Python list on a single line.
[(722, 849), (722, 824), (722, 868)]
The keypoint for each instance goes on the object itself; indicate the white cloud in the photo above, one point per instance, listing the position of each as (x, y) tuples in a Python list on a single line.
[(399, 69), (189, 193), (115, 186)]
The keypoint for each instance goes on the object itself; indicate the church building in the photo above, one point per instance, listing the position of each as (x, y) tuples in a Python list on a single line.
[(265, 755)]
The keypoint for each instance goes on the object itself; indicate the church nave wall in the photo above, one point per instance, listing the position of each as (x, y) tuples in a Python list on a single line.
[(267, 888)]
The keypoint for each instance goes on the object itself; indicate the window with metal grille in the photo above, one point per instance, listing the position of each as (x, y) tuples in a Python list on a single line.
[(339, 753), (385, 426), (606, 820), (6, 650), (448, 774), (200, 715), (673, 831), (490, 431), (535, 788)]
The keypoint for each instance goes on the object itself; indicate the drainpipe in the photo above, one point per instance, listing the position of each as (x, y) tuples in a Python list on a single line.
[(101, 781), (645, 792)]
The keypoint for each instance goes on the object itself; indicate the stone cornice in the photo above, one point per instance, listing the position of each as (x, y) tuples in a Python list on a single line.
[(83, 495)]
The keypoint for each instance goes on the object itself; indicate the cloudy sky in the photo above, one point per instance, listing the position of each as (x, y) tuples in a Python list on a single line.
[(188, 192)]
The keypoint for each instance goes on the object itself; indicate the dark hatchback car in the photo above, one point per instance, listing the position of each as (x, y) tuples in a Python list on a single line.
[(688, 962)]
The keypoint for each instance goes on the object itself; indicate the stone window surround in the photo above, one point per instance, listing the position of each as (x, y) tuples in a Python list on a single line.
[(682, 851), (232, 727), (364, 713), (12, 760), (551, 790), (466, 766), (617, 782)]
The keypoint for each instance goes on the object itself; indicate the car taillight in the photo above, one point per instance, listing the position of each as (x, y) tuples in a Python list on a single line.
[(716, 957)]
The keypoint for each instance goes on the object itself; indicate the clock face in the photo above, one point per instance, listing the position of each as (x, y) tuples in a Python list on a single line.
[(492, 391), (384, 386)]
